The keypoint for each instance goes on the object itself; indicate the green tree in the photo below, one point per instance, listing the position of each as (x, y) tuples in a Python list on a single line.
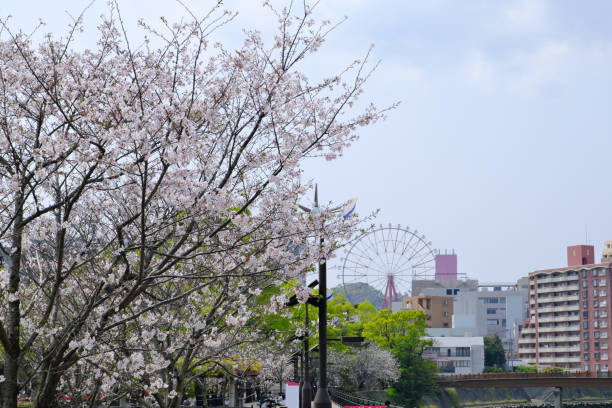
[(389, 329), (403, 333), (495, 355), (417, 377)]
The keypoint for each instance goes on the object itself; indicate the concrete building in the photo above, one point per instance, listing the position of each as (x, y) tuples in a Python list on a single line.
[(606, 255), (438, 309), (568, 324), (495, 308), (457, 355), (445, 287)]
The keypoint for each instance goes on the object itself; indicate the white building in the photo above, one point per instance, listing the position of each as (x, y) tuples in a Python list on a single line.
[(456, 355)]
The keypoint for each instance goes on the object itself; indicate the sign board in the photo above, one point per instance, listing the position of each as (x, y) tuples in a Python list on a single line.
[(292, 394)]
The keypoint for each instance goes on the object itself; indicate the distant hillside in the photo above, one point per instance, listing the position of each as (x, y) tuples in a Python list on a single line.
[(360, 292)]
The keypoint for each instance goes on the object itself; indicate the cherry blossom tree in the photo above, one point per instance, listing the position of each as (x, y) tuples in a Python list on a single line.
[(363, 367), (140, 179)]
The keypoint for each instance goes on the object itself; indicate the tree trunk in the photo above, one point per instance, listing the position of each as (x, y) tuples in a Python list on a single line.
[(46, 395), (11, 358)]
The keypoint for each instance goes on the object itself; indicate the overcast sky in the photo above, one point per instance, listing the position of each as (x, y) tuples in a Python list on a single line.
[(501, 146)]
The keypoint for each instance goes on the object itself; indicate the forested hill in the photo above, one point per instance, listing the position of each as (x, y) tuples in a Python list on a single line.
[(359, 292)]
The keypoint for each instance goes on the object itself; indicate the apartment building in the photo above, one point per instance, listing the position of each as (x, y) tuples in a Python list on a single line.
[(438, 309), (456, 355), (568, 324)]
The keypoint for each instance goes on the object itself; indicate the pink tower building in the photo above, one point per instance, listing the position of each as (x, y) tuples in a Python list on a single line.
[(446, 266)]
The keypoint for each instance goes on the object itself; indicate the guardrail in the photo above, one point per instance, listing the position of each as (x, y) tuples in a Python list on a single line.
[(344, 398), (501, 376)]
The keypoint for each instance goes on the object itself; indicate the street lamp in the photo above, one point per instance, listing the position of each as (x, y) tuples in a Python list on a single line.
[(321, 399)]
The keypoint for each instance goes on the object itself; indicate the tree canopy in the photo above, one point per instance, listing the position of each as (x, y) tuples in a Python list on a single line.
[(150, 195)]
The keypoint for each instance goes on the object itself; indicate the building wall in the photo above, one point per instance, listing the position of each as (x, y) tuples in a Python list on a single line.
[(580, 255), (569, 318), (606, 255), (445, 287), (457, 355), (438, 309)]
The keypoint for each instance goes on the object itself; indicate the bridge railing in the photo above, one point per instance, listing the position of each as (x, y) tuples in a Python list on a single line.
[(344, 398), (493, 376)]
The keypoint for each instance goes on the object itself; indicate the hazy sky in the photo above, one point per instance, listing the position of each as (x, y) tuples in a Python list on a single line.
[(501, 146)]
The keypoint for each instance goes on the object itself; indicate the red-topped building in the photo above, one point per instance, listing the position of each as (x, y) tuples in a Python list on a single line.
[(569, 315)]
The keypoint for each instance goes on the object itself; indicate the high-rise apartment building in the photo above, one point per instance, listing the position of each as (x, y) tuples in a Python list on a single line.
[(569, 314)]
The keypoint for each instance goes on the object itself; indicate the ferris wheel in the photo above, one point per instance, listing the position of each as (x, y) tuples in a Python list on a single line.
[(388, 259)]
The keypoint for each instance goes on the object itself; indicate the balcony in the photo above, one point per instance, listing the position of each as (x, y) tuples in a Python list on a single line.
[(564, 278), (527, 350), (559, 360), (529, 360), (554, 289), (564, 308), (559, 329), (560, 349), (554, 319), (558, 339), (563, 298), (529, 330)]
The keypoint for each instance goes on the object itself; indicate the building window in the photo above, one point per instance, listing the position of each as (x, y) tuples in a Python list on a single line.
[(603, 303), (604, 345), (585, 335), (584, 273), (585, 325), (604, 334), (595, 292), (596, 323), (584, 283), (463, 352), (445, 324), (595, 282), (585, 304), (595, 303), (604, 323), (596, 356), (603, 313), (602, 292), (445, 314), (602, 282), (492, 322), (596, 345), (585, 314), (596, 313), (491, 311), (449, 291), (597, 365), (604, 356), (586, 357), (596, 334), (585, 293), (585, 346), (445, 302), (602, 272), (595, 272)]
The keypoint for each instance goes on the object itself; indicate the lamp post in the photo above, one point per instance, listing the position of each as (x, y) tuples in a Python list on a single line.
[(321, 399)]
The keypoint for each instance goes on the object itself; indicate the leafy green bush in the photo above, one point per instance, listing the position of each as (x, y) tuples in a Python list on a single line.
[(526, 369)]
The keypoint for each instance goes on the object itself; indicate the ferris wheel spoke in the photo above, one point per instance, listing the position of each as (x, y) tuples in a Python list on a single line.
[(367, 267), (387, 253)]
